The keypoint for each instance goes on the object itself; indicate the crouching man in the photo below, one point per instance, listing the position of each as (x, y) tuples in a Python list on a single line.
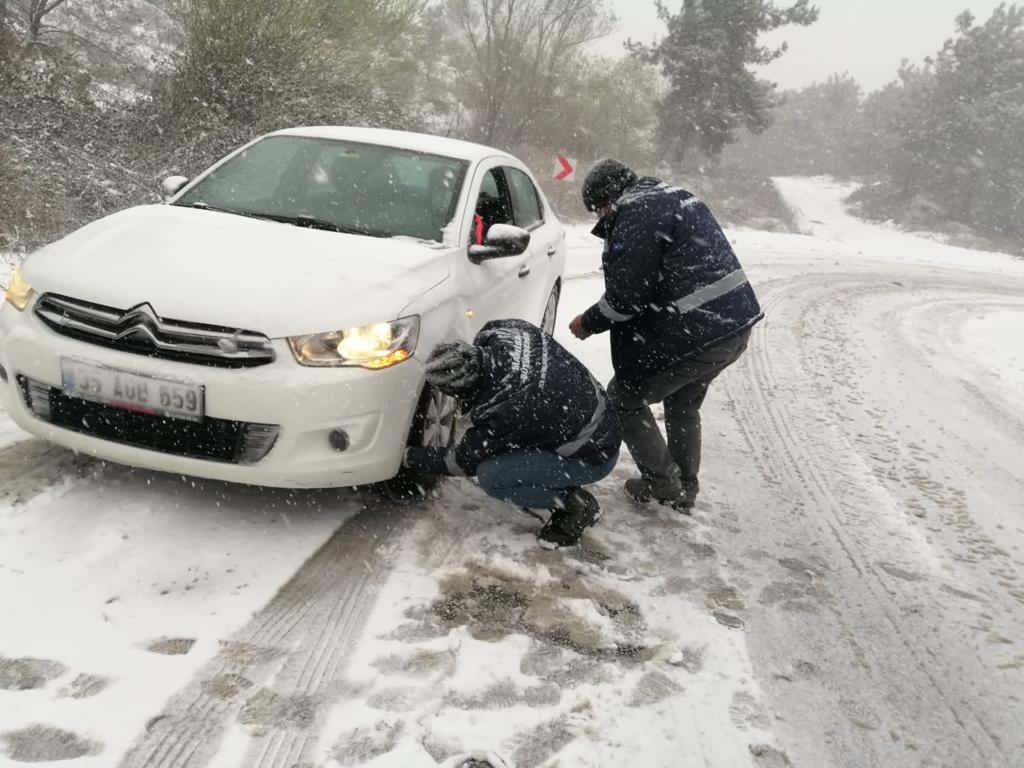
[(542, 427)]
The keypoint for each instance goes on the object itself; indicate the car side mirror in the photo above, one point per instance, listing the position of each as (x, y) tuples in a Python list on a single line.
[(171, 186), (503, 240)]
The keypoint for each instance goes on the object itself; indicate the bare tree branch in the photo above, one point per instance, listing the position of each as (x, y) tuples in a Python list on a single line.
[(516, 51), (35, 12)]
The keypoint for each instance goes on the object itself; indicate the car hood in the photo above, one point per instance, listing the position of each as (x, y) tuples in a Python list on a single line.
[(209, 267)]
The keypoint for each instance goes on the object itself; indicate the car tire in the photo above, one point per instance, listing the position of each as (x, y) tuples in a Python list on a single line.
[(433, 426), (549, 319)]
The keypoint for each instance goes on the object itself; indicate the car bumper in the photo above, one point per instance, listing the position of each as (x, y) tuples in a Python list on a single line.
[(374, 409)]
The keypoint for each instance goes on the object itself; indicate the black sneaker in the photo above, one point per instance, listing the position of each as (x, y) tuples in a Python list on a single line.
[(567, 524)]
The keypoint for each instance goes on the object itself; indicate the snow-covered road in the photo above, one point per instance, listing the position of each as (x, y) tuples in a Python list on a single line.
[(848, 594), (882, 445)]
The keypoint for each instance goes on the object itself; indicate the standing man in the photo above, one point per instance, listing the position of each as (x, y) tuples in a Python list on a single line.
[(542, 427), (680, 311)]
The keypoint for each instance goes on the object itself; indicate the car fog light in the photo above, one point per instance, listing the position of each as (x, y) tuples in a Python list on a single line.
[(339, 440)]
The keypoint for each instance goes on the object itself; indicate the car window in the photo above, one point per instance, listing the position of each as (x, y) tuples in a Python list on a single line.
[(525, 199), (380, 190), (493, 205)]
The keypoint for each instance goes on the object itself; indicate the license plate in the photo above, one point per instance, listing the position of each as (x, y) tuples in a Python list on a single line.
[(131, 392)]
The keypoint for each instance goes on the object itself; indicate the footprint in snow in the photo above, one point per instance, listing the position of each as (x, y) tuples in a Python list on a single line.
[(171, 646), (28, 674), (44, 743)]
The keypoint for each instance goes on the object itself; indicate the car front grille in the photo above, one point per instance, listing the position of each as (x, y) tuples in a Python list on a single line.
[(234, 442), (141, 331)]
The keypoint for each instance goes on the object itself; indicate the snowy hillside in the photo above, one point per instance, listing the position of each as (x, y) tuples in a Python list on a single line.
[(117, 41)]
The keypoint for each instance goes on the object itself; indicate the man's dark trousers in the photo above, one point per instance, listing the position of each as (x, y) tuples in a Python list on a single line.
[(682, 389)]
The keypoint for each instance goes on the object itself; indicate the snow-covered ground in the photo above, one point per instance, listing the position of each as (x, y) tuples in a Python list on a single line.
[(848, 592), (819, 210), (120, 586), (991, 340)]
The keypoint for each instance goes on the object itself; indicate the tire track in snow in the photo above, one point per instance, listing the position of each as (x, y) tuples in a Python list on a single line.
[(813, 462), (921, 325), (297, 645), (806, 470)]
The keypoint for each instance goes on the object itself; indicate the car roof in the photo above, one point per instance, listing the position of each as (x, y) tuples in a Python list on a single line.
[(418, 142)]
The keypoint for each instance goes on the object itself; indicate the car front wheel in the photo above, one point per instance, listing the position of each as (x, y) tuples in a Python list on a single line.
[(433, 426)]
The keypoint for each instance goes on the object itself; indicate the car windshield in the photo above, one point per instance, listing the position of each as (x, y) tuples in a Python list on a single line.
[(337, 185)]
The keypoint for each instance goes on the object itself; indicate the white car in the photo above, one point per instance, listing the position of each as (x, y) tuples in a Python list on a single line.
[(268, 324)]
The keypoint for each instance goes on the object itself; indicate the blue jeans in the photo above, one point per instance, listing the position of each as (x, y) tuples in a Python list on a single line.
[(538, 480)]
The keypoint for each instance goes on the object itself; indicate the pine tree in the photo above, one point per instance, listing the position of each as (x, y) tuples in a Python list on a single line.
[(707, 58), (951, 132), (977, 122)]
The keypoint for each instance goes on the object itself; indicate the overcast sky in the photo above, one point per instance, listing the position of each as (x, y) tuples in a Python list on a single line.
[(867, 38)]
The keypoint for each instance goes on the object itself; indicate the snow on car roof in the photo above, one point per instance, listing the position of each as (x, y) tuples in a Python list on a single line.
[(418, 142)]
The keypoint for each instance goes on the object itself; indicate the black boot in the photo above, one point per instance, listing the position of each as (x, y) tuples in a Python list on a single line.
[(567, 523), (476, 760), (679, 496)]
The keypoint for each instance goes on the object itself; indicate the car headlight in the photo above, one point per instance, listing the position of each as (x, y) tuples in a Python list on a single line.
[(18, 292), (376, 346)]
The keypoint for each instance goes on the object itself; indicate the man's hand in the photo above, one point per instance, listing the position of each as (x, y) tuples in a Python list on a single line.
[(578, 330)]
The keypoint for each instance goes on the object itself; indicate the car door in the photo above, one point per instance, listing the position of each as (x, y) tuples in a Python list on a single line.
[(491, 290), (537, 273)]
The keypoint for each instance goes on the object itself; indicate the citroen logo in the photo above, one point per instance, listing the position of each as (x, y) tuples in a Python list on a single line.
[(229, 346), (143, 314), (137, 334), (139, 324)]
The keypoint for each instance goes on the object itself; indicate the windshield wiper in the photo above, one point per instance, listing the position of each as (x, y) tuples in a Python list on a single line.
[(200, 205), (300, 220), (312, 222), (419, 240)]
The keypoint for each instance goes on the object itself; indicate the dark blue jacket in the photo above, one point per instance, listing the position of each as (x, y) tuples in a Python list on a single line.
[(534, 396), (673, 285)]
